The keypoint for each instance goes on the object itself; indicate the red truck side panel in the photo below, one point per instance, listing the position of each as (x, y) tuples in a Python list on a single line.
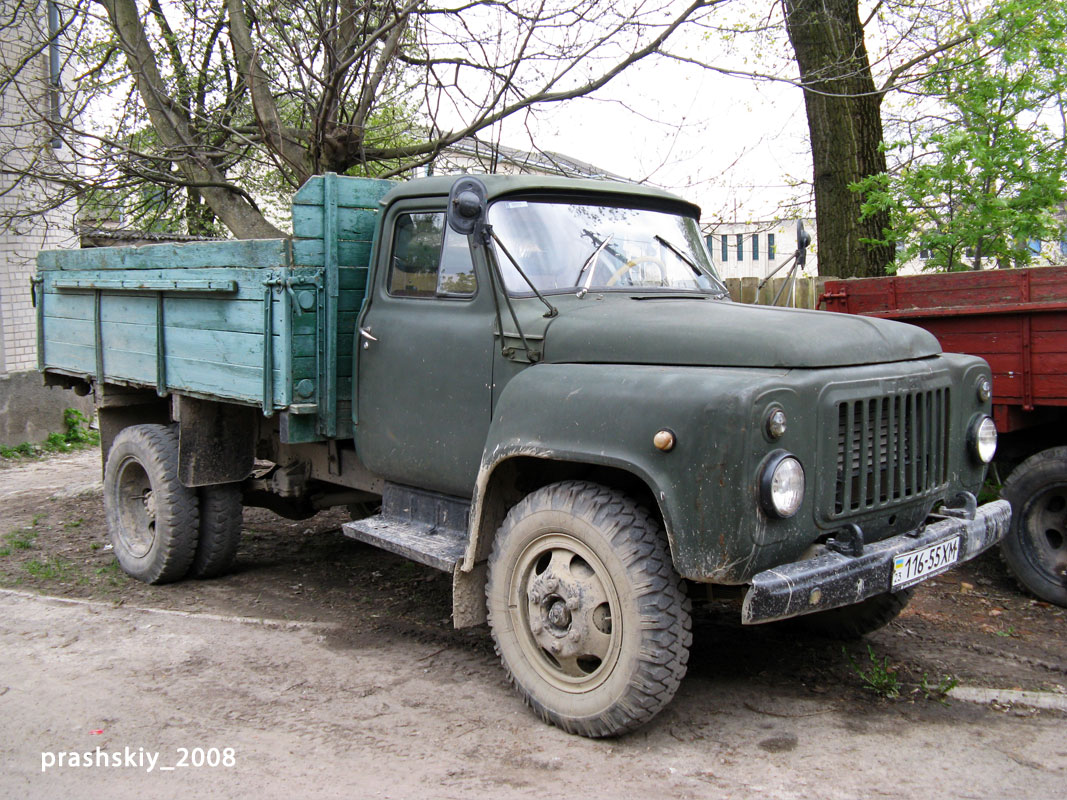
[(1015, 319)]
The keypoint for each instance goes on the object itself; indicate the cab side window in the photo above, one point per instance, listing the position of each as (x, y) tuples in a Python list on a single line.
[(429, 259)]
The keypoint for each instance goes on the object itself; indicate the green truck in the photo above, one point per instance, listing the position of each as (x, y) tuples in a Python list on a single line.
[(541, 387)]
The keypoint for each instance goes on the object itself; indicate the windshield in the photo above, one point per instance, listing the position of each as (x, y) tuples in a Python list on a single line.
[(571, 246)]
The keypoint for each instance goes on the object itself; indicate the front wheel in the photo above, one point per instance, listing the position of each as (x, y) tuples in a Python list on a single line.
[(588, 615)]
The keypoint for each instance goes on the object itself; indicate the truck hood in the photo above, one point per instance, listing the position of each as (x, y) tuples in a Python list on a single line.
[(691, 332)]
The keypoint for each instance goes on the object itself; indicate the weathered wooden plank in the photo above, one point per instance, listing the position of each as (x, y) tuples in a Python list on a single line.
[(253, 253), (311, 252), (305, 346), (200, 287), (249, 281), (238, 316), (351, 192), (344, 366), (355, 224), (243, 383)]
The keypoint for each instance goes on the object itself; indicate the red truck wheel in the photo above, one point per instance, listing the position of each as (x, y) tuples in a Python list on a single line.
[(588, 615), (1035, 548)]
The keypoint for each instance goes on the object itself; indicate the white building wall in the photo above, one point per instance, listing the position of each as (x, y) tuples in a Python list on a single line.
[(24, 105), (754, 249)]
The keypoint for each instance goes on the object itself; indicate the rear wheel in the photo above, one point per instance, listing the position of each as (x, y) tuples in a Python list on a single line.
[(857, 620), (152, 518), (1035, 548), (589, 617), (221, 515)]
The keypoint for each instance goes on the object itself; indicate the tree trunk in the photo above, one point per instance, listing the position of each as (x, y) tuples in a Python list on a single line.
[(845, 124), (229, 204)]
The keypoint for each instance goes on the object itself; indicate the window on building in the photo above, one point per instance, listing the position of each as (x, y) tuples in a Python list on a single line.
[(755, 247), (1034, 246), (725, 249), (770, 247), (740, 247), (924, 255), (1063, 247)]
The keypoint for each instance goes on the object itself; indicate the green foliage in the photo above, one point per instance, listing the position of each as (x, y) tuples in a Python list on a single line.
[(50, 569), (879, 677), (938, 692), (77, 437), (988, 171)]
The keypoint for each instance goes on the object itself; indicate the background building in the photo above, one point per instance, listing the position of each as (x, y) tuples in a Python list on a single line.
[(755, 249), (28, 411)]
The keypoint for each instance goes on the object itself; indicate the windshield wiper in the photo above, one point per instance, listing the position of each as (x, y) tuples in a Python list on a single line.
[(592, 260), (723, 291)]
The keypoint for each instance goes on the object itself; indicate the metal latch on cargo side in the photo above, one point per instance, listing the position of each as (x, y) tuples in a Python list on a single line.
[(366, 334)]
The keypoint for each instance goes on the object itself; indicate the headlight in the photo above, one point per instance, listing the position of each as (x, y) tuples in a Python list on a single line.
[(781, 484), (983, 439)]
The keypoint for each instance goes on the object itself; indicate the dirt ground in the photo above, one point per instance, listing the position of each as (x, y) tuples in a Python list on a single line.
[(332, 668)]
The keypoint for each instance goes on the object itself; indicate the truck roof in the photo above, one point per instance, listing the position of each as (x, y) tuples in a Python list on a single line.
[(501, 185)]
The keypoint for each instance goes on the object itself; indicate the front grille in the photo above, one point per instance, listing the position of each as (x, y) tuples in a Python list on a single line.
[(890, 449)]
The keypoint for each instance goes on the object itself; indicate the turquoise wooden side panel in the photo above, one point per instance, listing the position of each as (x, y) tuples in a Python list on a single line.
[(253, 253), (335, 219), (213, 344), (311, 252), (105, 311), (351, 192)]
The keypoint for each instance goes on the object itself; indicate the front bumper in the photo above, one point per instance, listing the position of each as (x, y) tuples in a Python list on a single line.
[(831, 579)]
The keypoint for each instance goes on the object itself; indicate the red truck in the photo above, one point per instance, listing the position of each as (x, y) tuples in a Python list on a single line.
[(1017, 321)]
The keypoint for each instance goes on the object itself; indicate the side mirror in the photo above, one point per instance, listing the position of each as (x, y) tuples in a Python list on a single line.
[(803, 240), (466, 206)]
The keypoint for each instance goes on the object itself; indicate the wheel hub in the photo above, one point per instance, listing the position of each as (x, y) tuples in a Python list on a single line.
[(558, 615), (568, 614)]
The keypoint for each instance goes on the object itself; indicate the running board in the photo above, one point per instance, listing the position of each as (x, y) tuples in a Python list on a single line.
[(423, 526)]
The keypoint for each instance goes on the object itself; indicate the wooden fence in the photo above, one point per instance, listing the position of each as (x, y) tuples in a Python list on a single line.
[(805, 294)]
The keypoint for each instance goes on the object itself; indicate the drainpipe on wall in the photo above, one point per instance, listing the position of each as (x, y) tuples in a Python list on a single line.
[(54, 68)]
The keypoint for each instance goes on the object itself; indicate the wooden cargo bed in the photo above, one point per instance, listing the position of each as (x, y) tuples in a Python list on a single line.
[(269, 323)]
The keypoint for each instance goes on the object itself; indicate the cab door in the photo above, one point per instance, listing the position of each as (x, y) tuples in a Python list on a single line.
[(424, 389)]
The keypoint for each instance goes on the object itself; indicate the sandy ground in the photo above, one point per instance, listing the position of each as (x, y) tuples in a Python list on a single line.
[(324, 668)]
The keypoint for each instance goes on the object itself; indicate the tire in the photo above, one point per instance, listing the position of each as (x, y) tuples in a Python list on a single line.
[(220, 530), (152, 518), (857, 620), (1035, 548), (588, 615)]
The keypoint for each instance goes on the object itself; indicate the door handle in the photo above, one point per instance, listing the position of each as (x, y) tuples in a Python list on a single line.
[(366, 334)]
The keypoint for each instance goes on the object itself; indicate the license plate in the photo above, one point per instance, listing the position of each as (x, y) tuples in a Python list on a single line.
[(918, 565)]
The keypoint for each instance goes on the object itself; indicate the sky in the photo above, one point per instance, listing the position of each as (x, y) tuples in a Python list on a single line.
[(735, 146)]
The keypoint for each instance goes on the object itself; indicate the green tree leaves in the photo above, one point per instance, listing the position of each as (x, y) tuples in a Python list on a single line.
[(987, 174)]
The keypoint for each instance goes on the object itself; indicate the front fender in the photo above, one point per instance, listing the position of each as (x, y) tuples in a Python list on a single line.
[(608, 415)]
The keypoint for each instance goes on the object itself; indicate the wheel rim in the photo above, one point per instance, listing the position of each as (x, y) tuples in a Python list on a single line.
[(565, 611), (136, 509), (1044, 533)]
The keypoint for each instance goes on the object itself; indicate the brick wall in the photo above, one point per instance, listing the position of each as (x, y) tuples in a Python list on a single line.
[(23, 104)]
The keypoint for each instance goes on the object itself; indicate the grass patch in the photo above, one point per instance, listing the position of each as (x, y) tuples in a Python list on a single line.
[(878, 676), (50, 569), (938, 692), (21, 538)]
